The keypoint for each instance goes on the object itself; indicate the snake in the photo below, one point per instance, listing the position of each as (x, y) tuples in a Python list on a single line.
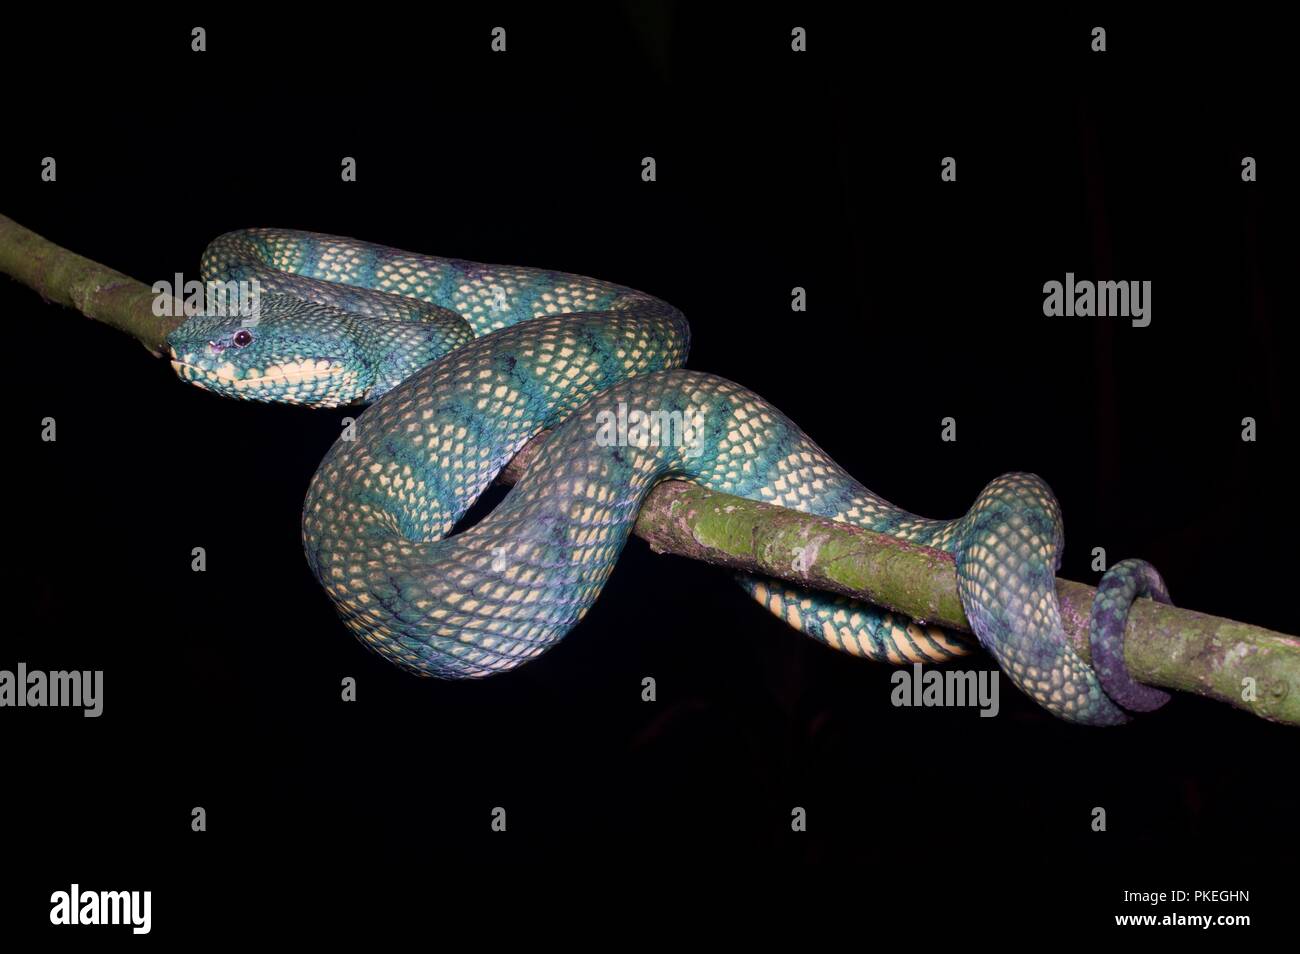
[(457, 365)]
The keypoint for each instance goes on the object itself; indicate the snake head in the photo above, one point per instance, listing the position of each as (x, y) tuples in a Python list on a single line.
[(287, 351)]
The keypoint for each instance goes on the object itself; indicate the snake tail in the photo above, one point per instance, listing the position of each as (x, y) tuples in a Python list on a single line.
[(1119, 587)]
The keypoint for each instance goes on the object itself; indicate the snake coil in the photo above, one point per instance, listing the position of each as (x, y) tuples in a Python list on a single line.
[(462, 363)]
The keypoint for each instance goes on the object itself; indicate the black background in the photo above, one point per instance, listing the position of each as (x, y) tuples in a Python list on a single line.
[(774, 170)]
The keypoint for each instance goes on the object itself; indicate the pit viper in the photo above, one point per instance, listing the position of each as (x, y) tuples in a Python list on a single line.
[(462, 363)]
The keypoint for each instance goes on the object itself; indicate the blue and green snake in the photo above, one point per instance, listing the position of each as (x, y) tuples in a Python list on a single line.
[(462, 363)]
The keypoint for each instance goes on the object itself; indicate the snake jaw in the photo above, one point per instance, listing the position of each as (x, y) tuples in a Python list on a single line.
[(321, 382)]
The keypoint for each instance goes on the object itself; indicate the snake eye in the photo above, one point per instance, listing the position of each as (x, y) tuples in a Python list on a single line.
[(242, 338)]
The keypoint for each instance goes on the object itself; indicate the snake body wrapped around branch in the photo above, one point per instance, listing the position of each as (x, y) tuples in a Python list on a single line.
[(463, 363)]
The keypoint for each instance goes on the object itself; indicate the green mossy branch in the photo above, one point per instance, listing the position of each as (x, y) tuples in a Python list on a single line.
[(67, 278), (1165, 646), (1245, 666)]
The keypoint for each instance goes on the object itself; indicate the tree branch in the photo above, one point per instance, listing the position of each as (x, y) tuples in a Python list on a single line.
[(1165, 646), (1245, 666), (66, 278)]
